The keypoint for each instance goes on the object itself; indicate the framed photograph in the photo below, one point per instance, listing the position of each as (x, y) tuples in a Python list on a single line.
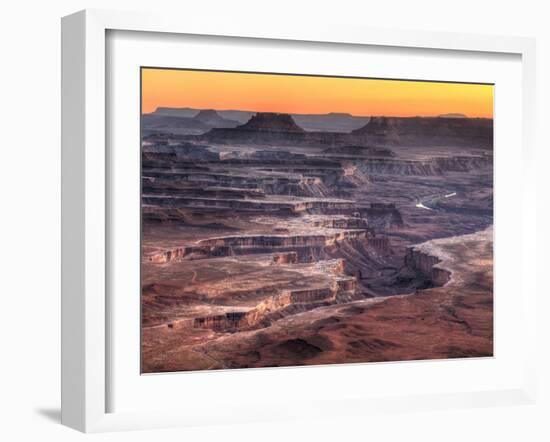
[(262, 222)]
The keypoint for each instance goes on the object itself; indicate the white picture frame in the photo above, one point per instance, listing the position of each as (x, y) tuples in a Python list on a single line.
[(85, 312)]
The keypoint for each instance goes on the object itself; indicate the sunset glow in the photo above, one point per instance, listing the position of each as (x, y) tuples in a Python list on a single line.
[(311, 95)]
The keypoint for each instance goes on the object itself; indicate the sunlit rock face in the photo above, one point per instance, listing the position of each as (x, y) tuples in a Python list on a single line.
[(268, 244)]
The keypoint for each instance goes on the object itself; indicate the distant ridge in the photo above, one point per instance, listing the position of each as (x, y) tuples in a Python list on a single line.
[(211, 118), (331, 122), (271, 122), (452, 115), (332, 129)]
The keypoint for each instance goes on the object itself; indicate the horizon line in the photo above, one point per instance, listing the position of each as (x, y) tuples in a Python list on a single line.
[(443, 115)]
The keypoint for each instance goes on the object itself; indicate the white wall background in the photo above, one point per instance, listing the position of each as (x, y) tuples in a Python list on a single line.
[(30, 215)]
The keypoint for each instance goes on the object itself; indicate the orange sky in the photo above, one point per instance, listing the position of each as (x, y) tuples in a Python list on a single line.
[(309, 94)]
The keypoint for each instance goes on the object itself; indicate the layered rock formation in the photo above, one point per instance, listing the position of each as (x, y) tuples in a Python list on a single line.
[(265, 244), (377, 135), (271, 128), (303, 246), (266, 128), (426, 264), (472, 132), (272, 122), (285, 303), (213, 119)]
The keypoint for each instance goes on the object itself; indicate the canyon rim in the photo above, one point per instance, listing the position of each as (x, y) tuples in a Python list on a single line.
[(293, 220)]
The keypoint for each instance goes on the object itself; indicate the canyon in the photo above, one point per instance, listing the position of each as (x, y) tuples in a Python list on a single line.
[(273, 239)]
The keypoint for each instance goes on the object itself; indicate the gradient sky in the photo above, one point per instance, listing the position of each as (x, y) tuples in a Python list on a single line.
[(311, 95)]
